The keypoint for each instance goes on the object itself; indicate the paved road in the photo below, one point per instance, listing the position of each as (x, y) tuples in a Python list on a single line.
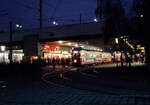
[(40, 93)]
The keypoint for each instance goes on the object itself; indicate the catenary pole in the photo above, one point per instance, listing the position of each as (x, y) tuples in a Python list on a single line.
[(10, 42)]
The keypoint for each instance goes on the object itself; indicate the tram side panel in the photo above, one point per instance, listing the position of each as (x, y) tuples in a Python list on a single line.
[(90, 57)]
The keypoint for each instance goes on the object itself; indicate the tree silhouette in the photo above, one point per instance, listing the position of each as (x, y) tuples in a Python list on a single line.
[(113, 14), (140, 31)]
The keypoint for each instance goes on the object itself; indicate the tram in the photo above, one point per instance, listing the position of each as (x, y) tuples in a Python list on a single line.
[(82, 56)]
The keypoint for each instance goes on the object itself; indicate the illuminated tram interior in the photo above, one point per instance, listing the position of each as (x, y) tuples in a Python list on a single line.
[(78, 54), (73, 52)]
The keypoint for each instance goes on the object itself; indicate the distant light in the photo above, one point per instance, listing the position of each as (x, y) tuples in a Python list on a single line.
[(3, 48), (82, 46), (60, 42), (95, 20), (17, 25), (54, 22), (20, 26), (76, 45), (69, 44), (116, 40), (142, 16)]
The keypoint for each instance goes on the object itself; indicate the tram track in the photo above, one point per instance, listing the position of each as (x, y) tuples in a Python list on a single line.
[(65, 81), (76, 79)]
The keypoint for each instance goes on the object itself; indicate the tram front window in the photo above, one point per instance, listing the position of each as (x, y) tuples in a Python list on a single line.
[(75, 53)]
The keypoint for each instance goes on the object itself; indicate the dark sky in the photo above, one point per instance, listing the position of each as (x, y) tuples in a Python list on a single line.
[(63, 11)]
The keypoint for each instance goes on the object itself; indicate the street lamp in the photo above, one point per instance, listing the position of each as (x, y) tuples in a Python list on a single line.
[(3, 48), (19, 26), (141, 15), (95, 20), (55, 23), (116, 40)]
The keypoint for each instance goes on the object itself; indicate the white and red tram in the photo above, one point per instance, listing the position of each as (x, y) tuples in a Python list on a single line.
[(86, 57)]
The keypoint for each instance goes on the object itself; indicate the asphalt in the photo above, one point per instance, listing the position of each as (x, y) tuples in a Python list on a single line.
[(39, 92)]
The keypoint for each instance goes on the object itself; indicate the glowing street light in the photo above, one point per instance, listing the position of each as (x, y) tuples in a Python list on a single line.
[(3, 48), (95, 20), (116, 40), (60, 42), (19, 26), (142, 16), (76, 45), (55, 23)]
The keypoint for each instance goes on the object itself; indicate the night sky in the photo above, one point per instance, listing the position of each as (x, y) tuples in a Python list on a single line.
[(25, 12)]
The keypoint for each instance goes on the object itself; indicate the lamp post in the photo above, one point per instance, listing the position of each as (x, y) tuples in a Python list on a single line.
[(116, 45), (116, 40), (10, 43), (3, 49), (19, 26), (11, 40)]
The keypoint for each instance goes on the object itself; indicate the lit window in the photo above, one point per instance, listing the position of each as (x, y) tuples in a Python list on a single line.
[(3, 48)]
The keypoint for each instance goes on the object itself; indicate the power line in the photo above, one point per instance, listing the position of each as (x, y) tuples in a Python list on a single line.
[(26, 6), (48, 5), (55, 9)]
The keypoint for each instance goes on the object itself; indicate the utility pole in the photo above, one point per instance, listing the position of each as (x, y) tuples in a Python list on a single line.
[(10, 42), (41, 23)]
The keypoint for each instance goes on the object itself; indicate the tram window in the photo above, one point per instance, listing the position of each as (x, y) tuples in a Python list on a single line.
[(97, 55), (89, 55), (83, 54)]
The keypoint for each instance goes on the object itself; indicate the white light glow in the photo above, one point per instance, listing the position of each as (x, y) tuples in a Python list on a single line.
[(76, 45), (20, 26), (54, 22), (69, 44), (3, 48), (142, 16), (95, 20), (17, 25), (60, 42), (116, 40)]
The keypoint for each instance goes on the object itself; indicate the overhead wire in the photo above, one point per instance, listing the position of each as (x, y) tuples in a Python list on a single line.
[(48, 4), (25, 5), (55, 9), (52, 17)]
